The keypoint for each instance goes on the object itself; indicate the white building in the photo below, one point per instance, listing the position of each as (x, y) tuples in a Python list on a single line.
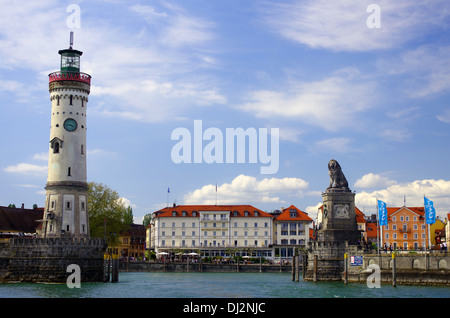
[(214, 230), (291, 230)]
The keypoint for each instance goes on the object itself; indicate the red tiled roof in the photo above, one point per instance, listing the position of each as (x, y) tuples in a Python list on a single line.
[(371, 230), (360, 217), (188, 209), (418, 210), (286, 215)]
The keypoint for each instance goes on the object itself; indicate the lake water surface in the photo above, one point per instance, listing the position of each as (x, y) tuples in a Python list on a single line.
[(217, 285)]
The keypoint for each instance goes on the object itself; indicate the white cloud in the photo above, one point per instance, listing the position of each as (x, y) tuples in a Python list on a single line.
[(332, 103), (445, 116), (342, 25), (43, 156), (394, 195), (398, 134), (372, 180), (313, 210), (127, 203), (27, 168), (247, 190), (160, 65), (335, 144), (427, 68)]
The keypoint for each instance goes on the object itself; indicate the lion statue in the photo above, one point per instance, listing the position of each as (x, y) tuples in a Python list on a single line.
[(337, 178)]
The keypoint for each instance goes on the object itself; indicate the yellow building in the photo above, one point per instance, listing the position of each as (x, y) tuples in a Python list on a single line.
[(131, 243)]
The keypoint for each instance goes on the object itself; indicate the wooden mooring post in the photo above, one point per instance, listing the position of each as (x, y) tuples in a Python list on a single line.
[(394, 278), (111, 268), (345, 269)]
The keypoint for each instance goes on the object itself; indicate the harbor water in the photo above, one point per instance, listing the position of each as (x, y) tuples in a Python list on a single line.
[(217, 285)]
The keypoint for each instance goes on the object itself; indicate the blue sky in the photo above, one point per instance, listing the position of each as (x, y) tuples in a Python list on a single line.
[(375, 99)]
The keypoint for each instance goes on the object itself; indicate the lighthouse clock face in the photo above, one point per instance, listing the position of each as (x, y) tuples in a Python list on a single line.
[(70, 124)]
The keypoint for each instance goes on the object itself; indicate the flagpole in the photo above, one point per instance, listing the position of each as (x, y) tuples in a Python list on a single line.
[(378, 231), (168, 193), (425, 223)]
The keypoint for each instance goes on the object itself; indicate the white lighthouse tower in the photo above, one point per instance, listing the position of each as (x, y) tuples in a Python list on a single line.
[(66, 210)]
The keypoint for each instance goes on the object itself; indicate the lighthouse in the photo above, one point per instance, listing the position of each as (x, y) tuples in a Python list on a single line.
[(66, 210)]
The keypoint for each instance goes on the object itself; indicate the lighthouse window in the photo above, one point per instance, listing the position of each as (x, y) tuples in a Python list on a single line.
[(82, 149), (56, 147), (82, 103), (71, 98), (68, 172), (57, 100)]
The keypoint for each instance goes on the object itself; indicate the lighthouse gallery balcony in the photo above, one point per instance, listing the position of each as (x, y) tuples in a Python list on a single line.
[(69, 76)]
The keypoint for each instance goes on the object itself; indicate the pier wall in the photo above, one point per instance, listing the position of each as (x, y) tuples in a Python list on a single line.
[(201, 267), (47, 260), (416, 268)]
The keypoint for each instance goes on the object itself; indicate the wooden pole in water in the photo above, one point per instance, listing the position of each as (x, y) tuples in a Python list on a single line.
[(115, 268), (293, 268), (345, 269), (297, 268), (394, 276)]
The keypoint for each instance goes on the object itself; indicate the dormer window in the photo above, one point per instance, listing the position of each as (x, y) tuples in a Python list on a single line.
[(293, 213), (183, 213), (245, 213), (174, 213), (235, 213), (256, 213)]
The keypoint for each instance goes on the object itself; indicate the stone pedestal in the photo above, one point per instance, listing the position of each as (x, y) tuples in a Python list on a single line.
[(339, 217), (338, 233)]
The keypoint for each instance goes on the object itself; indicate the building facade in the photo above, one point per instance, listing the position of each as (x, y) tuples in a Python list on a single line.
[(406, 229), (214, 230), (291, 230)]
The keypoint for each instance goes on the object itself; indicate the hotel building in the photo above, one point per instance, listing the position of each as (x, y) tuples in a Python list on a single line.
[(215, 230)]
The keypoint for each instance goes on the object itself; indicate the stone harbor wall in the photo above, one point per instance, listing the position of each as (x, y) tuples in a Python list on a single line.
[(327, 262), (47, 260), (405, 268)]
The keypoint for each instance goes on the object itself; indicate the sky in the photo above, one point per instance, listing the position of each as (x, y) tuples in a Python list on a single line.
[(366, 83)]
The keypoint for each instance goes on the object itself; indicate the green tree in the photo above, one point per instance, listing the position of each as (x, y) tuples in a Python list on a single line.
[(128, 216), (147, 220), (107, 214)]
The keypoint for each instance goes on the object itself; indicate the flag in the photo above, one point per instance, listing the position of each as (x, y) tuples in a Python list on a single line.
[(382, 212), (430, 213), (168, 190)]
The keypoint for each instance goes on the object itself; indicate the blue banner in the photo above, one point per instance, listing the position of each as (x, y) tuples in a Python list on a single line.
[(430, 213), (382, 213)]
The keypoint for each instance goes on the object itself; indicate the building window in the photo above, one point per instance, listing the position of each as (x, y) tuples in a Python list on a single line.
[(82, 149), (68, 172), (68, 205), (293, 213)]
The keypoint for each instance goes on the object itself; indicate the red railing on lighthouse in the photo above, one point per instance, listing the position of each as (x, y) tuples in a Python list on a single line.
[(69, 76)]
